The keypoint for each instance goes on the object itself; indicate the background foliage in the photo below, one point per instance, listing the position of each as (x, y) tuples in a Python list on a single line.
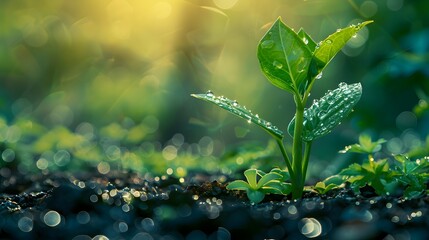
[(115, 76)]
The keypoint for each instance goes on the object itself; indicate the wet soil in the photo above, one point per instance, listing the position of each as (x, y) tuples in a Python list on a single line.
[(124, 205)]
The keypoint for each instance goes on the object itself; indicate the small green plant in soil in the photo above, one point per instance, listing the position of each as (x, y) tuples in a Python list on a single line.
[(402, 176), (293, 61), (272, 182)]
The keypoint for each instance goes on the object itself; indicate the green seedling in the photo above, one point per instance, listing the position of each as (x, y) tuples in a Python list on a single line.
[(272, 182), (375, 173), (411, 176), (328, 184), (292, 61)]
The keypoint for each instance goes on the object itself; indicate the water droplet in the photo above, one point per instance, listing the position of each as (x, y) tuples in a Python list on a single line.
[(354, 36), (268, 124), (277, 64), (328, 41), (316, 102), (305, 40), (257, 116), (319, 76), (249, 120), (342, 85), (321, 114), (339, 30), (267, 44), (209, 93), (235, 103)]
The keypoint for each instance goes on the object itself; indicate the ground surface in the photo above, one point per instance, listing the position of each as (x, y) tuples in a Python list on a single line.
[(132, 206)]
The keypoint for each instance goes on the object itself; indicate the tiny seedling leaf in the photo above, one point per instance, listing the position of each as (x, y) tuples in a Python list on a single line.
[(268, 178), (328, 112), (366, 145), (251, 178), (255, 196), (284, 57), (238, 185), (241, 111)]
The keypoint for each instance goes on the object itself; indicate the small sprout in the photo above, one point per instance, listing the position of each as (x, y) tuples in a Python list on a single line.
[(268, 183), (365, 145)]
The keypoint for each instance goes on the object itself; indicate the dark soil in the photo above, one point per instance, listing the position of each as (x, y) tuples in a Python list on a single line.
[(132, 206)]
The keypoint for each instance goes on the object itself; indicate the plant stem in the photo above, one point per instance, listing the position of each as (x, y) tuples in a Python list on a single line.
[(297, 180), (285, 157), (307, 150)]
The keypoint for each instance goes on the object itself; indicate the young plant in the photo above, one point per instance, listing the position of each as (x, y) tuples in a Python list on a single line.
[(292, 61), (405, 176), (413, 175), (272, 182)]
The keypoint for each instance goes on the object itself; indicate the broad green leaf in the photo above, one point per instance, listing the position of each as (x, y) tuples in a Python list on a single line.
[(329, 111), (255, 196), (285, 174), (284, 57), (241, 111), (277, 187), (352, 170), (251, 178), (335, 179), (238, 185), (328, 48), (268, 178)]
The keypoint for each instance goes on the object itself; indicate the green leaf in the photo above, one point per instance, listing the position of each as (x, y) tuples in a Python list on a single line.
[(238, 185), (268, 178), (336, 179), (328, 112), (285, 174), (277, 187), (241, 111), (255, 196), (352, 170), (328, 48), (284, 57), (307, 40), (366, 145), (322, 188), (251, 178)]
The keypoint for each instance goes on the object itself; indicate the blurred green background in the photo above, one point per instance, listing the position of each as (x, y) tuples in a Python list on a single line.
[(111, 80)]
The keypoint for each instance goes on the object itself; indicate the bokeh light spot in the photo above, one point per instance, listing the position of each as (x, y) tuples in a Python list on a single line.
[(25, 224), (103, 167), (8, 155), (310, 227), (169, 152), (52, 218), (62, 158)]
